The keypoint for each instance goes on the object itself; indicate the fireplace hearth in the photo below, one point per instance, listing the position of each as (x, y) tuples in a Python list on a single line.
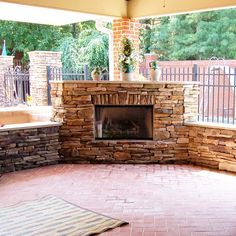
[(124, 122)]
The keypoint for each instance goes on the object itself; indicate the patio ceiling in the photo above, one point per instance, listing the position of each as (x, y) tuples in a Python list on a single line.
[(61, 12), (150, 8), (70, 11)]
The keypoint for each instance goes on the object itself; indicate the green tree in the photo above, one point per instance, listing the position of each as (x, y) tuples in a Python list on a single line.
[(25, 37), (145, 35), (217, 35), (80, 43), (194, 36), (162, 38), (91, 47)]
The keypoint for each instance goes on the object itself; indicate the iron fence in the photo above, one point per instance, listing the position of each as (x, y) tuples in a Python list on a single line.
[(174, 73), (58, 73), (217, 95), (216, 102), (24, 65), (16, 86)]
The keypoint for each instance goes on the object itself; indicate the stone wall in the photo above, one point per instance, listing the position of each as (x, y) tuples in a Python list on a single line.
[(28, 148), (5, 63), (39, 60), (213, 146), (173, 103)]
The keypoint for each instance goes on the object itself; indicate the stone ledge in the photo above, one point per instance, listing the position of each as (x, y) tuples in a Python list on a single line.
[(44, 52), (123, 141), (227, 166), (31, 125), (211, 125), (122, 82), (27, 109)]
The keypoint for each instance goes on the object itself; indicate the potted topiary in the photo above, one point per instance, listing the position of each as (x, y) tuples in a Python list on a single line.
[(155, 71), (96, 74), (127, 59)]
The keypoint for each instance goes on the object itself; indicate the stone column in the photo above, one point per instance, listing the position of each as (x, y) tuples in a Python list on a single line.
[(130, 28), (39, 60), (5, 63)]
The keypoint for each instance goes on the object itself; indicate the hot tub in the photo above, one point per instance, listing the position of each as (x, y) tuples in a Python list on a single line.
[(19, 115)]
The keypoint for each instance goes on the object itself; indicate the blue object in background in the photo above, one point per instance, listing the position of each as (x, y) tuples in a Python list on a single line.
[(4, 50)]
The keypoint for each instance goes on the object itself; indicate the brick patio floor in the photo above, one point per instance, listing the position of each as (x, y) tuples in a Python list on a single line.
[(157, 200)]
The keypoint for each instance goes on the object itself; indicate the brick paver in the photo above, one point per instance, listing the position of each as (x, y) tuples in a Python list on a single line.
[(157, 200)]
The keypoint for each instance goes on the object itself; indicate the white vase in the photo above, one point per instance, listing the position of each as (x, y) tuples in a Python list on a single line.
[(95, 74), (155, 74), (127, 76), (96, 77)]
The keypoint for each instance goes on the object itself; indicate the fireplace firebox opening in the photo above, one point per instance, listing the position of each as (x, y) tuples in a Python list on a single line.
[(124, 122)]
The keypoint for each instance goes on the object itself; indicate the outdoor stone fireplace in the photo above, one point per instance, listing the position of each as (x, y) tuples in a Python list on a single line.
[(124, 122)]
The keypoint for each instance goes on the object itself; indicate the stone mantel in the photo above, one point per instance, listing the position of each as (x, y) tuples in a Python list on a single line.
[(138, 82), (173, 104)]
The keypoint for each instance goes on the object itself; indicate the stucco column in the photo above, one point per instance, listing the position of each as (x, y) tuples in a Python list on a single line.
[(39, 60), (130, 28), (5, 63)]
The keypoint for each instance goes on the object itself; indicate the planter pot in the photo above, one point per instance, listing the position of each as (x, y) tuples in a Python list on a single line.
[(96, 77), (155, 74), (127, 76), (96, 74)]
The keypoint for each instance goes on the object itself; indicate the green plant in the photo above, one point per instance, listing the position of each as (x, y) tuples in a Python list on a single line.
[(153, 65), (127, 59), (91, 47)]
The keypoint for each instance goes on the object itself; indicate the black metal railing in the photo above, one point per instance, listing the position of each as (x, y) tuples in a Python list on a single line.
[(58, 73), (16, 86), (217, 95), (23, 64), (174, 73)]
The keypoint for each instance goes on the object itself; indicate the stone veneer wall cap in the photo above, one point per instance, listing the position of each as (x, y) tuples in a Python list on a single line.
[(211, 125), (32, 125), (122, 82), (44, 52), (6, 56), (126, 141), (25, 108)]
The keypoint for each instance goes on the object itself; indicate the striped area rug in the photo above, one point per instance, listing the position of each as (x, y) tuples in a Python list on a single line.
[(51, 216)]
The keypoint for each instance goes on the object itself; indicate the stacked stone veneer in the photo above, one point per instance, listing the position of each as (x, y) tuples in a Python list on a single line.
[(6, 62), (213, 146), (173, 104), (28, 148), (39, 60)]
